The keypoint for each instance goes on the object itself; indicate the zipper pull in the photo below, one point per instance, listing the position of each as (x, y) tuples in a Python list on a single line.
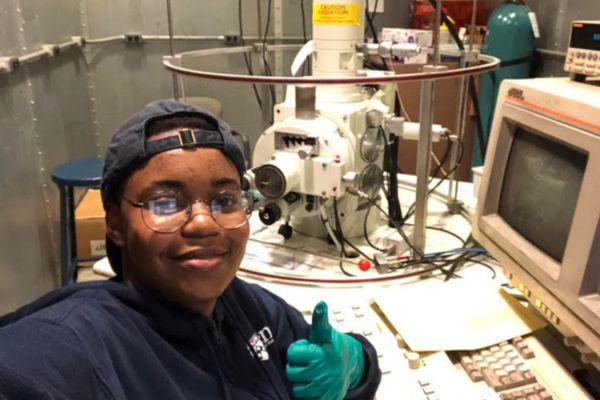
[(215, 332)]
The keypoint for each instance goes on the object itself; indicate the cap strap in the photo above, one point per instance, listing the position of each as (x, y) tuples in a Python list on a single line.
[(186, 139)]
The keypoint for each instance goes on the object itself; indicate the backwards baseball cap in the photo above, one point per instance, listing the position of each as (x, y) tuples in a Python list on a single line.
[(130, 148)]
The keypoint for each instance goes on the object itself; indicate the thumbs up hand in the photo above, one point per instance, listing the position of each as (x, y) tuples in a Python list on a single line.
[(326, 366)]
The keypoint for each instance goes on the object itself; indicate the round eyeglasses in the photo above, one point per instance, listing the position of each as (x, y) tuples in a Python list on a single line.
[(167, 212)]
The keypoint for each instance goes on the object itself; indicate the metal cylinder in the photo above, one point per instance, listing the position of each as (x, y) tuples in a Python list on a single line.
[(176, 91), (509, 23), (279, 176), (337, 28), (305, 102), (423, 164)]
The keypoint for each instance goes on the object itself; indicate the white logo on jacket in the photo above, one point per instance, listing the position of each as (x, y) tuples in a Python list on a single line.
[(259, 343)]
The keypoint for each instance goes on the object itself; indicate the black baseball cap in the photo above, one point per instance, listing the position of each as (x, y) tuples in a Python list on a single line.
[(129, 149)]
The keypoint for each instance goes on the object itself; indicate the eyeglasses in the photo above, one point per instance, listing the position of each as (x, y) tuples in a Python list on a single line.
[(167, 212)]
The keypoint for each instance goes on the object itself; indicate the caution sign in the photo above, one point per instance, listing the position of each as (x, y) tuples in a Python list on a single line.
[(336, 14)]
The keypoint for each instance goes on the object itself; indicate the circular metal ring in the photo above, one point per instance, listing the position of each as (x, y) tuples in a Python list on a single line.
[(170, 62)]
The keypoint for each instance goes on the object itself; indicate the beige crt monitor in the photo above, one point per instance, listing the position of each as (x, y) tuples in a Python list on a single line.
[(539, 201)]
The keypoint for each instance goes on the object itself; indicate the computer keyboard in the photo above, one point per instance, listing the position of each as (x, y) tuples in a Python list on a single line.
[(504, 368)]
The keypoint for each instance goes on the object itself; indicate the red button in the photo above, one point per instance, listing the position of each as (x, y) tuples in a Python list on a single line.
[(364, 265)]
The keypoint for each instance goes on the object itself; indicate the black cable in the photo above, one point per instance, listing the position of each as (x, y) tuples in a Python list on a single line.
[(443, 260), (392, 181), (307, 63), (246, 60), (443, 159), (446, 231), (376, 67), (472, 260), (359, 251), (475, 102), (264, 56), (340, 237), (370, 18), (374, 9), (303, 21), (338, 228), (342, 267), (459, 261), (266, 32), (450, 172), (366, 234), (394, 209)]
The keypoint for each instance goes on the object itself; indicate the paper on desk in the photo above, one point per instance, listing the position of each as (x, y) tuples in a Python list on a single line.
[(459, 314)]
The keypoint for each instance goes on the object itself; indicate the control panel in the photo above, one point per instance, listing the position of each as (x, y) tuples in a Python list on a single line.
[(583, 55)]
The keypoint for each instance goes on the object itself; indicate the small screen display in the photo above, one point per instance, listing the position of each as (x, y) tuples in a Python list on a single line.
[(585, 36), (541, 185)]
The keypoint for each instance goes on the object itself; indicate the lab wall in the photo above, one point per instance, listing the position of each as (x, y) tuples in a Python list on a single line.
[(44, 120), (554, 17)]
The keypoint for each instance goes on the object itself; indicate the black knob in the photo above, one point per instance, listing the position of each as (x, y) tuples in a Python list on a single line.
[(285, 230), (270, 214)]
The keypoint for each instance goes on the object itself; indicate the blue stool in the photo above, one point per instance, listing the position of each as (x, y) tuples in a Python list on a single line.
[(81, 173)]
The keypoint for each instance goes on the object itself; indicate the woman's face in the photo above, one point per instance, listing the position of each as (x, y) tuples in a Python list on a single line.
[(191, 266)]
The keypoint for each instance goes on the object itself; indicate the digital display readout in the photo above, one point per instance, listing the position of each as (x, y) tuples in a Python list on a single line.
[(585, 36)]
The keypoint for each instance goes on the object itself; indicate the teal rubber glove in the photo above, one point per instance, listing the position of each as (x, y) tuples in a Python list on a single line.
[(326, 366)]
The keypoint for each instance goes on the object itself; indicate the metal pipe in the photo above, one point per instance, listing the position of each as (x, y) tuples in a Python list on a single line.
[(171, 50), (259, 16), (423, 163), (452, 198), (473, 19), (118, 38), (461, 117), (216, 37), (32, 57), (182, 37), (69, 45), (107, 39), (305, 101), (278, 25), (436, 32), (170, 27), (425, 144), (552, 53)]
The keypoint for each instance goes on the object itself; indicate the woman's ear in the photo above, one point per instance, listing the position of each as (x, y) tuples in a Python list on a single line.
[(115, 225)]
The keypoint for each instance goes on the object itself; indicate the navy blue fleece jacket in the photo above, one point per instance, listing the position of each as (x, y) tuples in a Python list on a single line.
[(105, 340)]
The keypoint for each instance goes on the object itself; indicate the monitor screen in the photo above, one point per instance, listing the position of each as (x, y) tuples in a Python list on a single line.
[(540, 190)]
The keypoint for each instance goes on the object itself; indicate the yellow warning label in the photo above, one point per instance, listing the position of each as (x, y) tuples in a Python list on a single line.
[(336, 14)]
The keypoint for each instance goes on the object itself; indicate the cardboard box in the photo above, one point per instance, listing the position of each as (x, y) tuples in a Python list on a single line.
[(90, 225), (446, 103)]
